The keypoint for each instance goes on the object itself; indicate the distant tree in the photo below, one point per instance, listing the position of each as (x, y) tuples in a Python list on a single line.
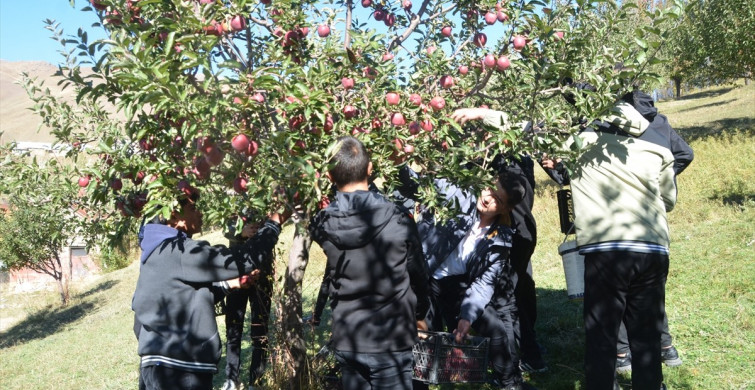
[(724, 29), (40, 221)]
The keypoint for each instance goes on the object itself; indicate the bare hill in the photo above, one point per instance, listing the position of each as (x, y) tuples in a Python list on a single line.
[(17, 121)]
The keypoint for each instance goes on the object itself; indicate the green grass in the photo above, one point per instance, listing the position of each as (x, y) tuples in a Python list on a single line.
[(710, 291)]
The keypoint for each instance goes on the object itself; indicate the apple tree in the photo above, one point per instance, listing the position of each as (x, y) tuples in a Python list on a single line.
[(244, 99), (41, 218)]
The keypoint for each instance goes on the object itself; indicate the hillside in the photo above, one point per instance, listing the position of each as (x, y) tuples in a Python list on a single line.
[(17, 122)]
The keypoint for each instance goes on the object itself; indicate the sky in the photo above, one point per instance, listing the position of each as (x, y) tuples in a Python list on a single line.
[(23, 36)]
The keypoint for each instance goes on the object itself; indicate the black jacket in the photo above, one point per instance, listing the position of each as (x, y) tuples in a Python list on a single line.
[(378, 279), (173, 303)]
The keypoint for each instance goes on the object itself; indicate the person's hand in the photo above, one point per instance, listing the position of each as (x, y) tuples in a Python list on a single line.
[(548, 162), (422, 325), (249, 230), (462, 330), (464, 115)]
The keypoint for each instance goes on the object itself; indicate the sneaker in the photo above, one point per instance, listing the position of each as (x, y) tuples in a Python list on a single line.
[(533, 367), (670, 357), (624, 363), (231, 385)]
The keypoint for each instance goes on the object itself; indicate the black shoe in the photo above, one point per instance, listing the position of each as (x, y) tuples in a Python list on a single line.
[(533, 366), (624, 364), (670, 357)]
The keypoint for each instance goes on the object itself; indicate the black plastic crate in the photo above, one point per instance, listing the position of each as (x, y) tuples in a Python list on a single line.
[(438, 359)]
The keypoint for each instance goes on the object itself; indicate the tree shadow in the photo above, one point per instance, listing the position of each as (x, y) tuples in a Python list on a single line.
[(717, 128), (50, 320), (708, 94), (714, 104), (735, 194)]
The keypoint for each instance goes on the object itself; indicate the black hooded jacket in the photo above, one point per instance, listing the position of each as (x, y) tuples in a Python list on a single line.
[(378, 277)]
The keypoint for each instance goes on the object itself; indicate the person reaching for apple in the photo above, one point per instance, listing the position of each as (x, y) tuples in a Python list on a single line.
[(174, 299)]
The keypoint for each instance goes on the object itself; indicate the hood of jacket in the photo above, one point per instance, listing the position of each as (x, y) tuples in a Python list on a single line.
[(625, 117), (643, 103), (152, 234), (353, 219)]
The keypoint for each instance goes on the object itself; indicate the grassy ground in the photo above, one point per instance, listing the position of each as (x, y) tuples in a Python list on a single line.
[(710, 293)]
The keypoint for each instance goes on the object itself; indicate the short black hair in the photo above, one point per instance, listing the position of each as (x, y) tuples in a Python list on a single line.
[(351, 162), (514, 186)]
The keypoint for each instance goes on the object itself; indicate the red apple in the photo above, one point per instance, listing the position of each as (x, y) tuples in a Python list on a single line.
[(408, 149), (427, 125), (480, 39), (84, 181), (366, 3), (323, 30), (407, 4), (206, 1), (205, 144), (379, 15), (252, 149), (295, 122), (397, 119), (244, 279), (446, 81), (327, 126), (444, 145), (139, 178), (347, 83), (559, 35), (185, 188), (501, 16), (350, 112), (438, 103), (240, 142), (238, 23), (369, 73), (303, 31), (392, 98), (116, 184), (415, 99), (463, 69), (446, 31), (414, 128), (490, 18), (502, 63), (376, 123), (489, 61), (215, 157), (239, 185), (387, 56), (390, 20), (431, 49), (519, 42), (98, 5), (258, 97)]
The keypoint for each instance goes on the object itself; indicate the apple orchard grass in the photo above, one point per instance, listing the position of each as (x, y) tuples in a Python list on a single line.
[(710, 292)]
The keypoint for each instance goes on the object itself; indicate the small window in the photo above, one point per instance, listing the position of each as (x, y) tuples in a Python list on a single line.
[(79, 251)]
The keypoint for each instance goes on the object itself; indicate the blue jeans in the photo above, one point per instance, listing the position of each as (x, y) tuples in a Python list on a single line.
[(376, 371)]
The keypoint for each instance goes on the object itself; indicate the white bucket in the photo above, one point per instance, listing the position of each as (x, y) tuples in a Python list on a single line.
[(574, 269)]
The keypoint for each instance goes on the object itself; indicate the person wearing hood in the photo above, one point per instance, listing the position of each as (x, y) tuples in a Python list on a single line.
[(623, 185), (473, 278), (378, 279), (178, 285)]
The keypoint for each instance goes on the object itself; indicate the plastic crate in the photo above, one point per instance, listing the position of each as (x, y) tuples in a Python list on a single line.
[(438, 359)]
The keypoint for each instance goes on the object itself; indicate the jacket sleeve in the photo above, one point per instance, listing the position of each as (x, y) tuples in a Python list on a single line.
[(418, 272), (480, 291), (683, 154), (204, 263), (668, 185)]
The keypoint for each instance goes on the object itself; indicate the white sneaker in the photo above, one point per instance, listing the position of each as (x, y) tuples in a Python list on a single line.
[(230, 385)]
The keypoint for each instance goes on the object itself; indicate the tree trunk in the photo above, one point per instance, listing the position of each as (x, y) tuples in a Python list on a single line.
[(678, 85), (63, 277), (295, 346)]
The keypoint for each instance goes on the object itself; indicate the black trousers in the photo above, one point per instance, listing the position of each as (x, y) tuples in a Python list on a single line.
[(259, 299), (624, 286), (526, 300), (498, 325), (166, 378)]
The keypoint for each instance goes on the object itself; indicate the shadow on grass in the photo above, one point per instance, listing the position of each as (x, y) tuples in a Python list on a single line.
[(714, 104), (708, 94), (735, 194), (717, 128), (50, 320)]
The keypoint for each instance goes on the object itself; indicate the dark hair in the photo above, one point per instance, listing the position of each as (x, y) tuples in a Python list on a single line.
[(351, 162), (515, 188)]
